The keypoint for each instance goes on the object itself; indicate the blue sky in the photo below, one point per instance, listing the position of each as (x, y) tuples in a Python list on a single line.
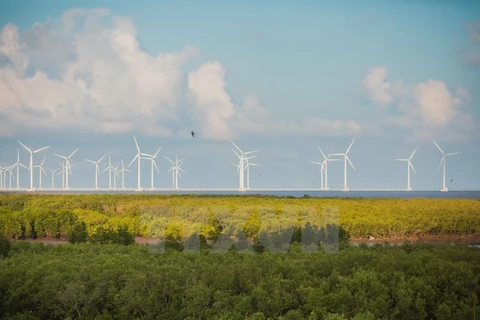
[(285, 77)]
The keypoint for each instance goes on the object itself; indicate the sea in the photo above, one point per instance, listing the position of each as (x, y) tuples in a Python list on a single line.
[(468, 194)]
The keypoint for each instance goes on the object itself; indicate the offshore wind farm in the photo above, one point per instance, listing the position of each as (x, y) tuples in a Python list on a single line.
[(115, 174)]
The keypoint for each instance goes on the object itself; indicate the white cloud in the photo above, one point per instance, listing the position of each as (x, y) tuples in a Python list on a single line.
[(207, 84), (425, 110), (474, 31), (377, 87), (107, 83), (86, 71)]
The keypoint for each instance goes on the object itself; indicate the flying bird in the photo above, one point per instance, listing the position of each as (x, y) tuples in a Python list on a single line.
[(451, 180), (193, 134)]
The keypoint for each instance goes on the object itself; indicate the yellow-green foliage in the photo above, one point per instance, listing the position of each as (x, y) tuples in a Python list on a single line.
[(178, 216)]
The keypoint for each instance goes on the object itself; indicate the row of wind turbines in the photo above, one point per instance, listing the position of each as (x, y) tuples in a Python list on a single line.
[(324, 167), (6, 173), (243, 168)]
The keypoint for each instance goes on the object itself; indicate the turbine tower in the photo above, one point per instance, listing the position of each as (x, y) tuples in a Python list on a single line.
[(17, 165), (444, 160), (346, 158), (248, 164), (67, 166), (122, 170), (324, 170), (138, 158), (110, 169), (53, 176), (97, 170), (40, 170), (153, 163), (176, 171), (30, 167), (409, 165), (241, 166)]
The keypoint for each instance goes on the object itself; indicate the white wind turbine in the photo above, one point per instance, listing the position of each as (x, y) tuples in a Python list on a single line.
[(97, 170), (110, 169), (67, 166), (53, 176), (409, 165), (248, 164), (30, 167), (40, 170), (176, 171), (63, 172), (324, 170), (444, 160), (138, 158), (346, 158), (241, 165), (122, 171), (153, 163), (17, 165)]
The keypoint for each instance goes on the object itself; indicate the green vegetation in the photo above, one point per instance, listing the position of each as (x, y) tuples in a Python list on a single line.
[(90, 281), (24, 216)]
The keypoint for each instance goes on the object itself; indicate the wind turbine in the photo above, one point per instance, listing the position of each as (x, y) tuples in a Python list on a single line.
[(324, 170), (444, 160), (346, 158), (138, 158), (409, 165), (67, 166), (31, 162), (248, 164), (40, 170), (109, 168), (122, 170), (17, 165), (176, 171), (53, 176), (241, 165), (97, 170), (153, 163)]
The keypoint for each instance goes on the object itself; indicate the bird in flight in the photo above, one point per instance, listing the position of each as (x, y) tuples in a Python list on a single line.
[(451, 180), (193, 134)]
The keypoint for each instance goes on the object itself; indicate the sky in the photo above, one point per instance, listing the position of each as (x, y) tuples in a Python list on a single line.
[(282, 77)]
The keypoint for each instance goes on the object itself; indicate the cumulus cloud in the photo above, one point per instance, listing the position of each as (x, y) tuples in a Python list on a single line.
[(87, 71), (377, 87), (425, 109)]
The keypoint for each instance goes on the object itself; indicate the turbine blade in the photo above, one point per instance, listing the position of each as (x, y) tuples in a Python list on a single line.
[(38, 150), (73, 153), (25, 146), (102, 158), (91, 161), (454, 153), (236, 153), (350, 162), (401, 159), (155, 164), (350, 146), (156, 153), (251, 152), (133, 160), (236, 146), (411, 166), (412, 154), (323, 154), (438, 147), (138, 149), (168, 159), (443, 159), (41, 164), (321, 163), (60, 156)]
